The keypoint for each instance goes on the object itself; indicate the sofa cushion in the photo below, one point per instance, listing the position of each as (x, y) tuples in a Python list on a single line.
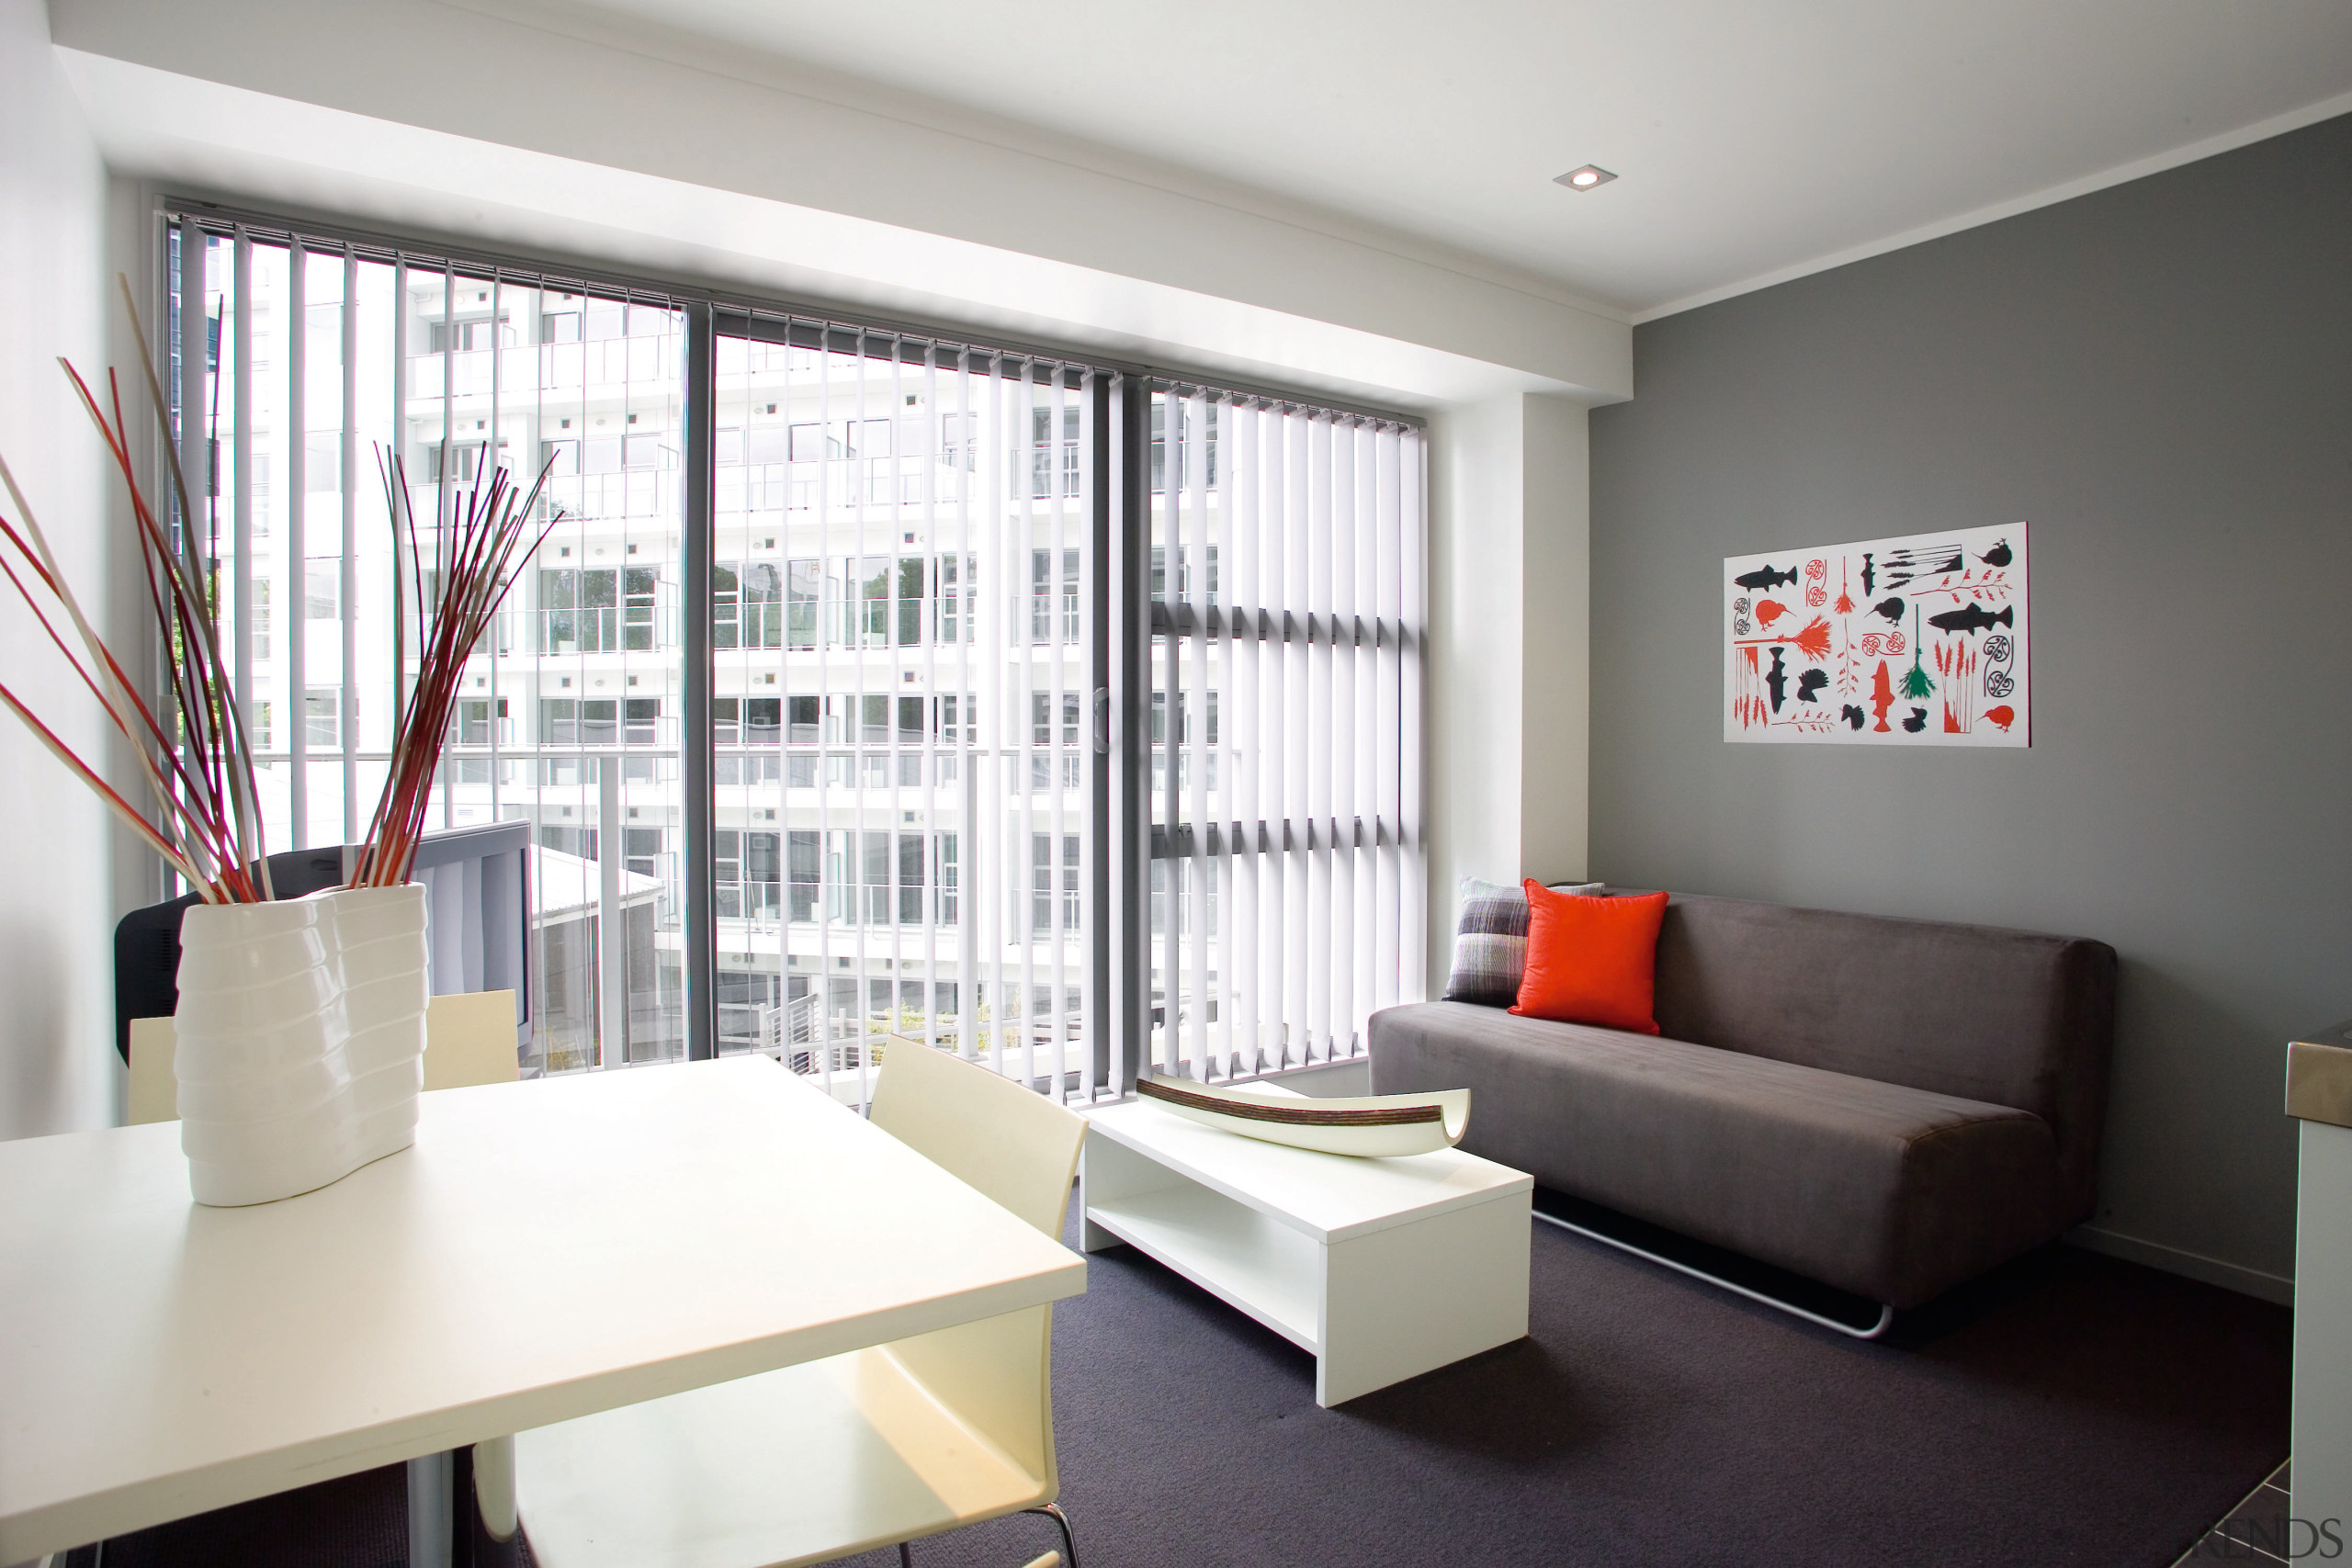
[(2012, 1017), (1490, 941), (1490, 944), (1894, 1193), (1590, 960)]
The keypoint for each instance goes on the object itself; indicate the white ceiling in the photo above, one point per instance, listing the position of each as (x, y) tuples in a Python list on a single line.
[(1752, 141)]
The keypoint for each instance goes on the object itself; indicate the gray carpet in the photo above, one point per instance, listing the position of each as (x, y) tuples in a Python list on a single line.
[(2069, 1409)]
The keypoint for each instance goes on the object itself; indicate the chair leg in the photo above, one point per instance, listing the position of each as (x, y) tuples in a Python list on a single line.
[(905, 1558), (1061, 1520)]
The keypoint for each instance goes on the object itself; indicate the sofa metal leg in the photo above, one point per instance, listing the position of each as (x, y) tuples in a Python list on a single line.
[(1885, 1313)]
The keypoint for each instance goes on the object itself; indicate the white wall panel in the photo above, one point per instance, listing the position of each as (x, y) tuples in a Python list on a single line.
[(58, 1069)]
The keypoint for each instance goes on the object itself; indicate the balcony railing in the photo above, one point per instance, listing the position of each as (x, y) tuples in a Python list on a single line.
[(607, 630), (843, 903)]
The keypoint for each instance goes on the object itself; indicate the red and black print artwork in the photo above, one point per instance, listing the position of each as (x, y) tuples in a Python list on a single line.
[(1918, 641)]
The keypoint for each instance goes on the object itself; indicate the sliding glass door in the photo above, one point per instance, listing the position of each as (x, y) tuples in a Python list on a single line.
[(1285, 611), (870, 687), (902, 627), (305, 369)]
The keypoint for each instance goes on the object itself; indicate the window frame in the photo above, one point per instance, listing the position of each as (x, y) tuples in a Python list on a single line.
[(1127, 455)]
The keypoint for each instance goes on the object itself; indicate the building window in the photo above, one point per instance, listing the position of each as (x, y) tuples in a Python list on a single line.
[(1197, 444), (644, 848), (1053, 893), (473, 722), (322, 719), (746, 604), (947, 613), (744, 721), (727, 872), (576, 612), (870, 612), (807, 583), (910, 879), (805, 864), (949, 706), (568, 840), (586, 721), (456, 462), (468, 337), (1052, 606), (810, 443), (640, 586), (1185, 584), (1057, 467), (321, 589)]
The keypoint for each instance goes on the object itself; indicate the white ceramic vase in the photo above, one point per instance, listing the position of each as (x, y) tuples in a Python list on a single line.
[(300, 1045)]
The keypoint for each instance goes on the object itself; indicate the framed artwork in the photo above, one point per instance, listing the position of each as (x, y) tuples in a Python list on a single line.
[(1917, 641)]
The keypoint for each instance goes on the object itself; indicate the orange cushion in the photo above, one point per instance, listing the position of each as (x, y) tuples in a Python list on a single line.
[(1591, 959)]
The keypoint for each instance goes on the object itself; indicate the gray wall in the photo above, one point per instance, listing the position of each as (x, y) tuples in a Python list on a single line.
[(2159, 378)]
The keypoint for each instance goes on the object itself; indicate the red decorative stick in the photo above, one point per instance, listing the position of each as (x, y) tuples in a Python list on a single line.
[(479, 538)]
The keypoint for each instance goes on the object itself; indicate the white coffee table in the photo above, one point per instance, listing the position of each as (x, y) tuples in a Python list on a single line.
[(1381, 1269)]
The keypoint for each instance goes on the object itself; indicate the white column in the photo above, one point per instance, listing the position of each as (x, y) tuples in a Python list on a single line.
[(2321, 1426), (1508, 683), (1556, 578)]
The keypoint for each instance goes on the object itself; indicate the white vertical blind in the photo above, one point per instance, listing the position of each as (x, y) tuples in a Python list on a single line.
[(935, 779), (905, 673), (301, 356), (1284, 812)]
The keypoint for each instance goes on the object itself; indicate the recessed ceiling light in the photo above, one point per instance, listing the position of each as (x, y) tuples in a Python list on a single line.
[(1586, 178)]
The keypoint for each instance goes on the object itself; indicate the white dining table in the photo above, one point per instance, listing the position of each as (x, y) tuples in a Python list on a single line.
[(546, 1249)]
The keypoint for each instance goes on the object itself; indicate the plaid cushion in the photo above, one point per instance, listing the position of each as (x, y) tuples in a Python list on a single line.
[(1490, 943)]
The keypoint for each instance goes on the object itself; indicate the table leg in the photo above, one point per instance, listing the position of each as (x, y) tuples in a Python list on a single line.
[(497, 1532), (462, 1508), (432, 1512)]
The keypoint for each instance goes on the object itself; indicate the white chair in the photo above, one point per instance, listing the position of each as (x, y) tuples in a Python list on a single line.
[(468, 1040), (839, 1456)]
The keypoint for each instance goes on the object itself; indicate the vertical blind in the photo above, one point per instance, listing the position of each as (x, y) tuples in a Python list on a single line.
[(904, 643), (300, 361), (1285, 840), (912, 721)]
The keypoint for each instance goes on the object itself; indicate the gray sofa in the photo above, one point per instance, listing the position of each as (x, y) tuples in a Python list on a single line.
[(1885, 1106)]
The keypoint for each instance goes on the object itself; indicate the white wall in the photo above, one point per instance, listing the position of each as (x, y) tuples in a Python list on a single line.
[(57, 1063), (422, 115), (1471, 698), (1508, 688), (1555, 646)]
